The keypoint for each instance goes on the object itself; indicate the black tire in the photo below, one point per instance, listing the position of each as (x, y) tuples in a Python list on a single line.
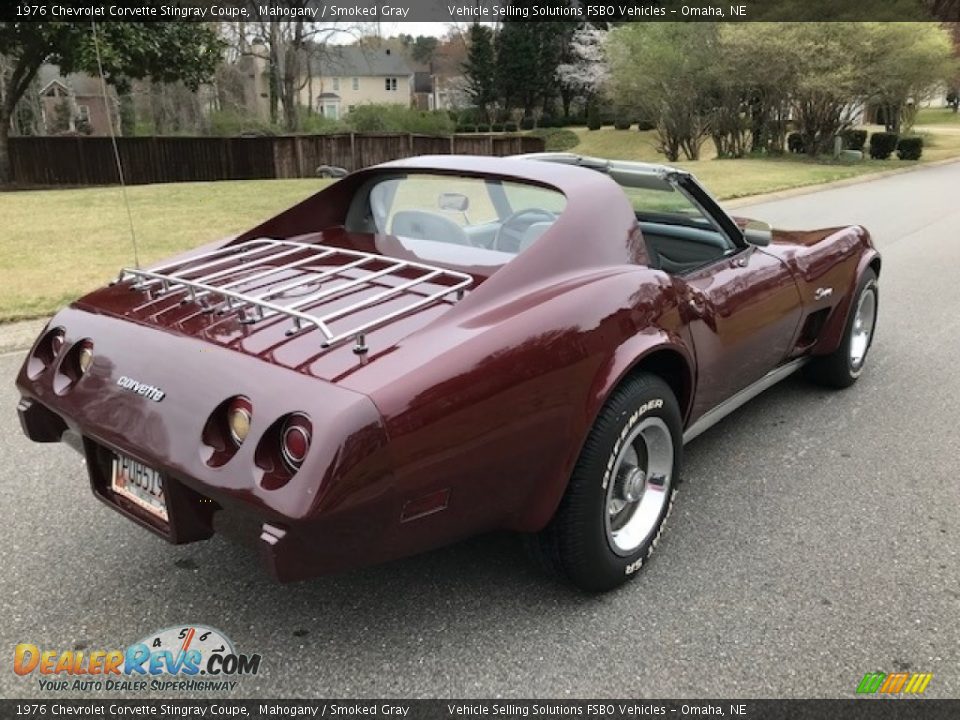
[(838, 369), (578, 543)]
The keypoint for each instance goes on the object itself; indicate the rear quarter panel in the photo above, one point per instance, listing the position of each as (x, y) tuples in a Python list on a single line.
[(500, 412)]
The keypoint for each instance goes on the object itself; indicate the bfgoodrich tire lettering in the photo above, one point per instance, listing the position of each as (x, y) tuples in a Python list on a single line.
[(622, 488)]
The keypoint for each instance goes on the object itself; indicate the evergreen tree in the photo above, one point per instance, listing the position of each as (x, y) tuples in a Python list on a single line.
[(480, 67)]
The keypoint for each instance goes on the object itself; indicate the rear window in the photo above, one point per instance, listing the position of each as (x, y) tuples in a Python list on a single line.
[(499, 216)]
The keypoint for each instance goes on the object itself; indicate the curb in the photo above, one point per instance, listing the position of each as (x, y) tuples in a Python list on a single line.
[(18, 336)]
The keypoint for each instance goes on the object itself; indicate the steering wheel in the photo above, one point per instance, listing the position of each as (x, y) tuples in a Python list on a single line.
[(511, 232)]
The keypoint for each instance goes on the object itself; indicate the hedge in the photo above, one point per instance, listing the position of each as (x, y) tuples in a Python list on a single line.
[(882, 145), (854, 139), (910, 148)]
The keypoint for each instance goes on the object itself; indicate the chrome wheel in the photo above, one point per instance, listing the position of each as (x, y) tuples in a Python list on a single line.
[(638, 488), (863, 324)]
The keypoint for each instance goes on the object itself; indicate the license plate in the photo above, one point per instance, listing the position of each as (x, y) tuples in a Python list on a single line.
[(140, 484)]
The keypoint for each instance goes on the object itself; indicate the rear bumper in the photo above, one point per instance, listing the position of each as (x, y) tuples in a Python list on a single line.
[(290, 549)]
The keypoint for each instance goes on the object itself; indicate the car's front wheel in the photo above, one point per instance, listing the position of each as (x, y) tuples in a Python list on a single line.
[(622, 488), (842, 367)]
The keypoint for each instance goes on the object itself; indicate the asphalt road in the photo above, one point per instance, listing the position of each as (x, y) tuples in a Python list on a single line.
[(815, 539)]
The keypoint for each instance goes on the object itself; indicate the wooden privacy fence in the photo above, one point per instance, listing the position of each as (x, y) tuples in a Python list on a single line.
[(89, 160)]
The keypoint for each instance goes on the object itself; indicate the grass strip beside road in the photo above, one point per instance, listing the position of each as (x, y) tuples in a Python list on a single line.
[(59, 244)]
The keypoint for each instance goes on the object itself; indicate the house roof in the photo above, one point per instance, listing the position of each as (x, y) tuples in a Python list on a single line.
[(81, 84), (357, 61)]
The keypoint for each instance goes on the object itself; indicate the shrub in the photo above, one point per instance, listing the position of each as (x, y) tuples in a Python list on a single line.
[(466, 128), (646, 125), (526, 123), (882, 145), (910, 148), (496, 127), (385, 117), (574, 120), (319, 125), (854, 139), (795, 143), (593, 118), (557, 139), (622, 123), (510, 126), (231, 122)]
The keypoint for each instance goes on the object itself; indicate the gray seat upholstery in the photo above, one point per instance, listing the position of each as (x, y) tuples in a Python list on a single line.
[(422, 225), (532, 234)]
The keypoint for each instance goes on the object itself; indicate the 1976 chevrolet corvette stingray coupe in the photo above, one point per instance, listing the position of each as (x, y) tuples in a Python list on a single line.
[(441, 346)]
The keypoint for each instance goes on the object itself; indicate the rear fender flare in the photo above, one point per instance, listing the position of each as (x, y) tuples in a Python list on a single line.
[(656, 345)]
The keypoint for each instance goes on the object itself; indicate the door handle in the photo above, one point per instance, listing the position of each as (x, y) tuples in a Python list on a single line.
[(697, 304)]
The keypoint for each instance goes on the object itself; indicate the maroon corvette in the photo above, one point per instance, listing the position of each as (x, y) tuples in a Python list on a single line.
[(442, 346)]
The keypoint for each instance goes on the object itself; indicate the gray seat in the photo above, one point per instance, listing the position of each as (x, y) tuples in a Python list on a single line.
[(422, 225), (532, 234)]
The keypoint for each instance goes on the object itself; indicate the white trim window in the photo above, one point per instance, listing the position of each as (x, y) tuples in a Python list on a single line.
[(390, 84), (356, 83), (336, 84)]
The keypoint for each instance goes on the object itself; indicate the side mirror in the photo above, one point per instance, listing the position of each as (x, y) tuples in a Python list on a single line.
[(757, 233), (455, 202)]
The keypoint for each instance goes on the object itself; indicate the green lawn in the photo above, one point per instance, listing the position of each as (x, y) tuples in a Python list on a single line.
[(937, 116), (58, 244), (739, 178)]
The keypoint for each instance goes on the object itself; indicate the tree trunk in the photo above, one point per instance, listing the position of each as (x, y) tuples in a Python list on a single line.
[(6, 171), (274, 73)]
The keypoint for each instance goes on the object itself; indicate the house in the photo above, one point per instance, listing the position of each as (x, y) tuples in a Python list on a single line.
[(336, 78), (343, 76), (75, 103)]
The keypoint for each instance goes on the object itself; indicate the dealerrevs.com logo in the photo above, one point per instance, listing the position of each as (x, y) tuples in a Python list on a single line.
[(186, 658)]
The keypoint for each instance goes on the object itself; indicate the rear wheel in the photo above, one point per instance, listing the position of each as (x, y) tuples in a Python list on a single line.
[(622, 488), (842, 367)]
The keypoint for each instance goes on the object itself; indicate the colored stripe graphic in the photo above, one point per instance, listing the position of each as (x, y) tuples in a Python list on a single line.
[(918, 683), (871, 682), (878, 682)]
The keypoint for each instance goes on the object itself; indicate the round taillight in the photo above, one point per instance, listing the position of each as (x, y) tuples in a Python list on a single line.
[(295, 441), (85, 356), (44, 354), (239, 415)]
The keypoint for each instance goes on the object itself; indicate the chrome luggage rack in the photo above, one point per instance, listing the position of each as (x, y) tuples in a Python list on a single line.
[(254, 278)]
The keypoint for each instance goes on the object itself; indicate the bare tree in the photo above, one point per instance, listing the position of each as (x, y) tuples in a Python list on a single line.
[(290, 49)]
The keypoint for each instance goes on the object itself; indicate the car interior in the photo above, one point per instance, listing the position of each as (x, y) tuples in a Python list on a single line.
[(489, 221), (497, 219), (679, 235)]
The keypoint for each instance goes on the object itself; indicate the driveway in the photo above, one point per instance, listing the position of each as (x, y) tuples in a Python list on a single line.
[(815, 539)]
